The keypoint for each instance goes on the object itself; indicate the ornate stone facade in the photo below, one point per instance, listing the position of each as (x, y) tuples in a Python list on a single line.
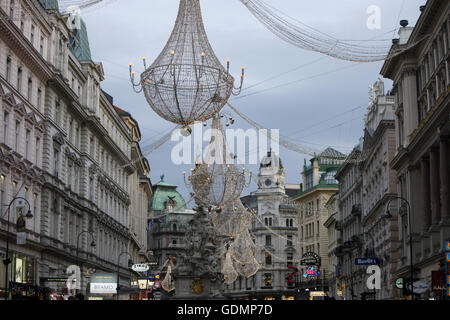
[(422, 108), (64, 138)]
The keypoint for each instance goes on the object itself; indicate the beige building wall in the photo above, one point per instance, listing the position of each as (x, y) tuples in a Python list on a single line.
[(313, 235)]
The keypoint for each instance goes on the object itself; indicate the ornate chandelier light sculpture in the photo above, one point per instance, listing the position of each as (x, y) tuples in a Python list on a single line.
[(232, 220), (187, 83), (217, 181)]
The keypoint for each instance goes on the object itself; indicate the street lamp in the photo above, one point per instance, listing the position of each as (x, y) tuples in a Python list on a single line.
[(7, 260), (388, 215), (372, 251), (93, 244), (118, 269)]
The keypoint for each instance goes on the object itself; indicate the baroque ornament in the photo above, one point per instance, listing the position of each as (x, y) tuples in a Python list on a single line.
[(186, 83)]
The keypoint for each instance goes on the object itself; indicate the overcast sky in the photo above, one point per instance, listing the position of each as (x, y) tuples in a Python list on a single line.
[(325, 107)]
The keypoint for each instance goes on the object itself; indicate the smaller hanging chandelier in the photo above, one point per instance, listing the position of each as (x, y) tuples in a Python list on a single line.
[(217, 180)]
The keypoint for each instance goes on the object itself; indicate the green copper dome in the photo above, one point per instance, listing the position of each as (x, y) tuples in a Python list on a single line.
[(79, 43), (165, 194)]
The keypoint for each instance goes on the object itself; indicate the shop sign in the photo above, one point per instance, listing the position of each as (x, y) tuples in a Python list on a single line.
[(367, 261), (310, 259), (419, 287), (157, 285), (311, 272), (438, 281), (140, 267), (104, 283), (399, 283), (317, 294)]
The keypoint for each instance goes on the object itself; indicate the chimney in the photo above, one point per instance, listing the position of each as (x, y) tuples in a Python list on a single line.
[(404, 32)]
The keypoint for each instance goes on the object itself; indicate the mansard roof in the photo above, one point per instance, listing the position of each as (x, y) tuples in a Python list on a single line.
[(50, 4)]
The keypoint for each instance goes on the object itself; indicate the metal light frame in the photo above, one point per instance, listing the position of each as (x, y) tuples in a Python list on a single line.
[(187, 83)]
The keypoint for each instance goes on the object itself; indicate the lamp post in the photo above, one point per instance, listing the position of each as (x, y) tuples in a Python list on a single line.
[(374, 253), (388, 215), (118, 270), (7, 260), (93, 244)]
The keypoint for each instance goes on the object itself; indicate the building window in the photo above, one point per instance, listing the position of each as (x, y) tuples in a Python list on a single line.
[(268, 279), (30, 89), (39, 98), (38, 146), (27, 143), (70, 130), (57, 112), (91, 189), (92, 146), (290, 258), (19, 79), (32, 34), (41, 46), (268, 259), (77, 135), (56, 161), (2, 191), (5, 127), (329, 178), (16, 142), (69, 177), (22, 21), (289, 240), (35, 209), (268, 240), (8, 68)]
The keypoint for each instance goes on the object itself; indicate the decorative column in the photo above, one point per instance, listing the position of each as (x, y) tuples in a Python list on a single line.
[(445, 179), (435, 185), (425, 184), (410, 100)]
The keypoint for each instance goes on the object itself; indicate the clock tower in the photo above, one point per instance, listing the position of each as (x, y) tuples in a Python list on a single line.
[(271, 175)]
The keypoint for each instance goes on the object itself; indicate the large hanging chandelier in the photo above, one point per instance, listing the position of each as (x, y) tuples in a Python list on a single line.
[(187, 83)]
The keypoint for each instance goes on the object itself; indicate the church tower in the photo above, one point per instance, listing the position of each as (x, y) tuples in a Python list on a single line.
[(271, 185)]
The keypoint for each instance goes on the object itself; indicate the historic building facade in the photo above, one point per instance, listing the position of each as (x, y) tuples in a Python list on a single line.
[(167, 225), (318, 185), (69, 151), (24, 73), (352, 278), (274, 231), (421, 87), (334, 240), (140, 188), (379, 186)]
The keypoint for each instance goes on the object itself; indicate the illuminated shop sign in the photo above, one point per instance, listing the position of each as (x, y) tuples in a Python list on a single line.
[(311, 272)]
